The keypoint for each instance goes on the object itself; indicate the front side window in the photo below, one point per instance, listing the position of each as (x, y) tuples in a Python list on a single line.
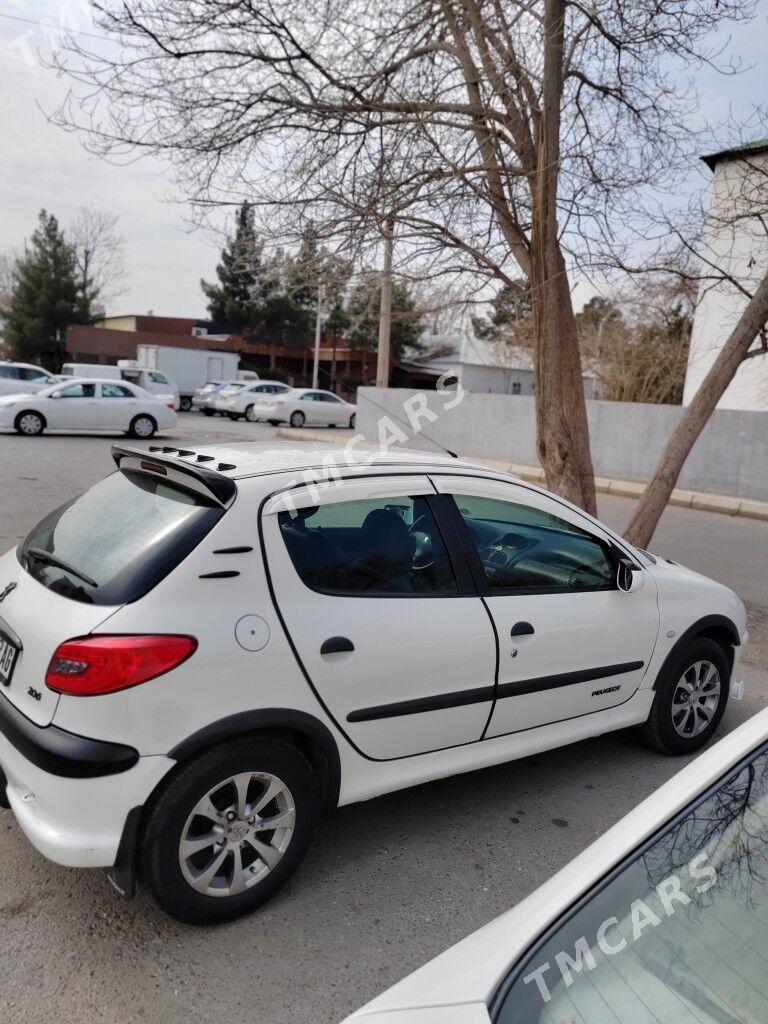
[(158, 378), (523, 548), (678, 934), (79, 391), (381, 546)]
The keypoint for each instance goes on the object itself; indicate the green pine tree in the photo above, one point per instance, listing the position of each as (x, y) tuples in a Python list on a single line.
[(363, 312), (46, 298), (244, 286)]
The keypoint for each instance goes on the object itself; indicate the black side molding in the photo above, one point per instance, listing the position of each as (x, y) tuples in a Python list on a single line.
[(585, 675), (439, 702), (60, 752)]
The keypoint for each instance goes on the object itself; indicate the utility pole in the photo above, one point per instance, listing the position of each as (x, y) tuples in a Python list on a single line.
[(318, 331), (385, 309)]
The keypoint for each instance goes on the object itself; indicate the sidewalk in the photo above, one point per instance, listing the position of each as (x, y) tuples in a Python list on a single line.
[(699, 500)]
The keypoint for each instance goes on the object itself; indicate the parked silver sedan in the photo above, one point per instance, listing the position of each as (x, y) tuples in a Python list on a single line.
[(306, 407), (242, 401)]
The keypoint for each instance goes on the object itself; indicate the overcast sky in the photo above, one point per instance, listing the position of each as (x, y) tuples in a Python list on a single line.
[(43, 166)]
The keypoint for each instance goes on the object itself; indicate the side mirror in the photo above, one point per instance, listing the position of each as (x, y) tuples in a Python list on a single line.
[(629, 577)]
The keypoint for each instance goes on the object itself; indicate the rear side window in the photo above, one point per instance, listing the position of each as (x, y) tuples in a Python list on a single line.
[(371, 547), (118, 539)]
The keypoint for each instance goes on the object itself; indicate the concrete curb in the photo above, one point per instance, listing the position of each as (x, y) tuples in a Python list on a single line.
[(700, 501)]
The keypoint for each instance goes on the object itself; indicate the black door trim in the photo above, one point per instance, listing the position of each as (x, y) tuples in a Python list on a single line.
[(437, 702), (585, 675)]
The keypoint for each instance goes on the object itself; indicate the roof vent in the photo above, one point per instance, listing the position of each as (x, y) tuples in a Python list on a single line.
[(183, 452), (224, 466), (166, 448), (204, 458)]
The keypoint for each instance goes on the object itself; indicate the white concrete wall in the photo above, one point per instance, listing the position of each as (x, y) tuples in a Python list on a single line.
[(730, 457), (741, 249)]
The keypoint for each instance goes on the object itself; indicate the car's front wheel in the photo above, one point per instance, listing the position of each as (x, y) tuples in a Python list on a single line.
[(691, 695), (229, 830), (142, 426), (29, 423), (250, 414), (297, 419), (185, 403)]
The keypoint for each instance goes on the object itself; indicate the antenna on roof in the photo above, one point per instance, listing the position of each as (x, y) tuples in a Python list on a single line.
[(438, 444)]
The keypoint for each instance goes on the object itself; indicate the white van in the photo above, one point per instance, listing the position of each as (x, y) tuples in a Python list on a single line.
[(154, 381), (23, 378)]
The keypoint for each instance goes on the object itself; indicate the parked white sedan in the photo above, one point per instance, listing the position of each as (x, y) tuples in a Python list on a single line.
[(662, 919), (306, 407), (88, 404), (243, 399)]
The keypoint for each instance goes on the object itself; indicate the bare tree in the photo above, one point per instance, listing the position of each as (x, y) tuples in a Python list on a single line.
[(99, 250), (732, 257), (505, 138)]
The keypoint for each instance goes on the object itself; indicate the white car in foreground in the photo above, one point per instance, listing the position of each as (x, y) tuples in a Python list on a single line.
[(306, 407), (88, 404), (663, 920), (211, 644), (243, 400)]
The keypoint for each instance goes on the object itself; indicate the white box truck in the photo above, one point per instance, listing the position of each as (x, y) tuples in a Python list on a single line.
[(188, 368)]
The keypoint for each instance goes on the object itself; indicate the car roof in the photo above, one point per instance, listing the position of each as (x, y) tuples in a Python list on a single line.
[(26, 366), (471, 971), (252, 459)]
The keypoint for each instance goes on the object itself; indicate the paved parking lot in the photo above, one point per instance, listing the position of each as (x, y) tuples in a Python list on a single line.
[(388, 884)]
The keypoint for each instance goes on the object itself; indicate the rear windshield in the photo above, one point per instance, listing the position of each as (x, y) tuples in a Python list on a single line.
[(118, 539)]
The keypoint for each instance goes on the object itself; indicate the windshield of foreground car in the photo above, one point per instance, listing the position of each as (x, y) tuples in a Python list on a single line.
[(118, 539), (679, 935)]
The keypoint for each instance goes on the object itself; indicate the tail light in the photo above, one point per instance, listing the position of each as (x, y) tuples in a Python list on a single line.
[(171, 405), (92, 665)]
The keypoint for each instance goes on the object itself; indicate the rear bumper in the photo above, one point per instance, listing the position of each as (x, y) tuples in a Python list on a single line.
[(72, 815)]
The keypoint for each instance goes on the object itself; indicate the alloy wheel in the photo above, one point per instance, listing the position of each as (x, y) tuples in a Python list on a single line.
[(696, 699), (30, 424), (250, 414), (143, 427), (237, 834)]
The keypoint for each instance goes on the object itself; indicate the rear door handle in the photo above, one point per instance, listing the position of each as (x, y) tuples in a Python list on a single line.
[(522, 629), (336, 645)]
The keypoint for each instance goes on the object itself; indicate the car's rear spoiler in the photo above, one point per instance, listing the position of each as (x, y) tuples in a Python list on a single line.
[(202, 468)]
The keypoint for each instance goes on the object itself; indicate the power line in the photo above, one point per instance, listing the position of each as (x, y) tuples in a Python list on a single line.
[(47, 26)]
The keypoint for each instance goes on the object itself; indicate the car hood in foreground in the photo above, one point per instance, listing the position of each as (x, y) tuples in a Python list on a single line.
[(468, 974)]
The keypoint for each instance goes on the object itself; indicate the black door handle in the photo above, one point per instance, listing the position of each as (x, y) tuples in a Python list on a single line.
[(336, 645), (522, 629)]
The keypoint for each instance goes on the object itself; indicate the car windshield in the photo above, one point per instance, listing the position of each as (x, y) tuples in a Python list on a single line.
[(118, 539), (679, 934)]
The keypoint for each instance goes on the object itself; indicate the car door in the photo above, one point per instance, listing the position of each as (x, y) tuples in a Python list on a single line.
[(570, 642), (74, 407), (332, 409), (311, 405), (117, 406), (385, 622)]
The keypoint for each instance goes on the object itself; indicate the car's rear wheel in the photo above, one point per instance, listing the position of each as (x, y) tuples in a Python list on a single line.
[(352, 421), (233, 415), (208, 412), (229, 830), (185, 403), (29, 423), (691, 695), (142, 426), (250, 414), (297, 418)]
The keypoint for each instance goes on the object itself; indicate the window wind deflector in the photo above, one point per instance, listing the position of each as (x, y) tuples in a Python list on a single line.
[(39, 555)]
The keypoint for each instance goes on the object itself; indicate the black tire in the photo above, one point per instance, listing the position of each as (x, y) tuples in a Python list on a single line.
[(185, 403), (142, 426), (274, 423), (297, 418), (249, 415), (352, 420), (208, 412), (233, 415), (159, 861), (33, 423), (659, 730)]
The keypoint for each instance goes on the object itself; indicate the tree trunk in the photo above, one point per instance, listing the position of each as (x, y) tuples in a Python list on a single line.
[(561, 412), (656, 495)]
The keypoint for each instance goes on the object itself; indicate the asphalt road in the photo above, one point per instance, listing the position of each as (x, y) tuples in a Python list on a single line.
[(387, 885)]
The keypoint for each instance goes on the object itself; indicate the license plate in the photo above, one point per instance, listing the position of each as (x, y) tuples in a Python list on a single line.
[(8, 654)]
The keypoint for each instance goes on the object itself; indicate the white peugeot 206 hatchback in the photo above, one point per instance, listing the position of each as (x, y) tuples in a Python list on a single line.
[(208, 646)]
